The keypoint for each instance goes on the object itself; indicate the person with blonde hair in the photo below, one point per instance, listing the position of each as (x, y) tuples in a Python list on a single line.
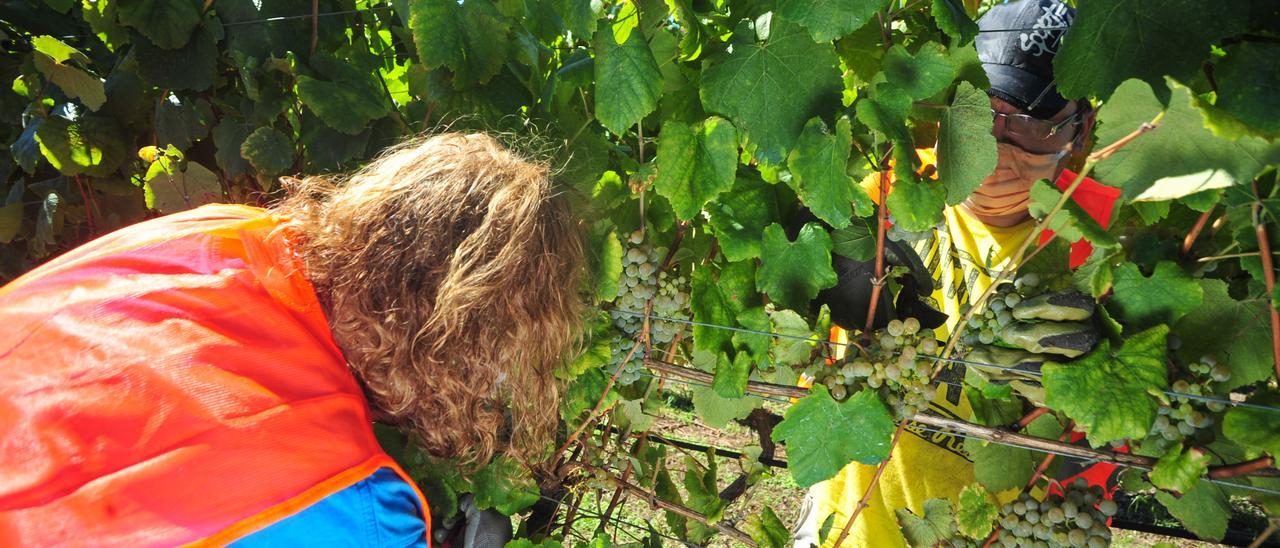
[(213, 376)]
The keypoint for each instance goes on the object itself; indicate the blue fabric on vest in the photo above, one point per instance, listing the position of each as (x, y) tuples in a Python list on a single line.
[(380, 510)]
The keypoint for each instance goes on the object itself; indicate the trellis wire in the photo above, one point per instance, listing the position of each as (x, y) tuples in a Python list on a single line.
[(935, 358), (1263, 490), (596, 516)]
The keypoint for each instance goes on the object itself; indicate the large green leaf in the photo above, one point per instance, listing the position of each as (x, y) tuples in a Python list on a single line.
[(1165, 297), (922, 75), (1178, 158), (468, 37), (505, 486), (718, 301), (53, 59), (738, 217), (168, 23), (228, 135), (628, 83), (1203, 510), (1224, 326), (916, 204), (731, 376), (830, 19), (767, 530), (966, 148), (1071, 222), (1179, 469), (818, 174), (999, 467), (1114, 40), (792, 273), (270, 151), (26, 148), (718, 411), (789, 350), (348, 101), (935, 528), (1246, 78), (182, 122), (886, 111), (696, 163), (1253, 427), (192, 66), (90, 145), (861, 423), (1107, 392), (171, 188), (770, 89), (856, 241)]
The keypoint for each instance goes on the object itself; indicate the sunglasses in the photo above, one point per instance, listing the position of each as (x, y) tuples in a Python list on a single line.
[(1025, 126)]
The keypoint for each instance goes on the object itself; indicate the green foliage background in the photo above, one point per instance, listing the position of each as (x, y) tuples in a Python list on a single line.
[(715, 120)]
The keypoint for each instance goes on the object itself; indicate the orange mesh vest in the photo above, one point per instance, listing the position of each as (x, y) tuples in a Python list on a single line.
[(173, 382)]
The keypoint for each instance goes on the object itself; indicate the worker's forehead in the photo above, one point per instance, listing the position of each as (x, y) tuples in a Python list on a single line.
[(1000, 105)]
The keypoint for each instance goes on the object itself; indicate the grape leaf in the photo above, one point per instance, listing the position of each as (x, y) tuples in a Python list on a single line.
[(886, 111), (583, 393), (856, 241), (731, 375), (717, 411), (1179, 469), (916, 205), (348, 101), (792, 273), (26, 149), (769, 90), (1203, 510), (1247, 328), (696, 163), (1071, 222), (10, 221), (51, 57), (861, 423), (270, 151), (710, 306), (192, 66), (1177, 158), (975, 513), (228, 135), (505, 486), (578, 16), (922, 75), (754, 345), (818, 174), (169, 189), (1159, 37), (91, 145), (167, 23), (966, 148), (952, 18), (1140, 302), (1252, 427), (739, 216), (181, 123), (999, 467), (1107, 391), (526, 543), (789, 351), (1245, 77), (326, 149), (468, 37), (628, 83), (767, 530), (830, 19), (935, 528)]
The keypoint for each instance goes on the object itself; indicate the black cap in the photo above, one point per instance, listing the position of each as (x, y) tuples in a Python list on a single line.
[(1016, 44)]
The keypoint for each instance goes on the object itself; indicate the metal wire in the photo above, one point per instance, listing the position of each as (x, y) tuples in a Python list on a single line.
[(967, 363), (305, 16)]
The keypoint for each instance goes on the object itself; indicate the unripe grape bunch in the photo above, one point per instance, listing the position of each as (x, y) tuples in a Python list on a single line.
[(984, 327), (1077, 518), (895, 363), (640, 282), (1182, 417)]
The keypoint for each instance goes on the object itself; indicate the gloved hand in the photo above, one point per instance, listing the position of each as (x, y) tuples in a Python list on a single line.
[(1021, 334), (475, 528)]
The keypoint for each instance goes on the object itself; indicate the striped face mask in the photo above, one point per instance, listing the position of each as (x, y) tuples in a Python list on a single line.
[(1008, 190)]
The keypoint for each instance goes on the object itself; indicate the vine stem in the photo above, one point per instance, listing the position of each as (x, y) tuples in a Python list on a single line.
[(604, 395), (1268, 273), (1242, 468), (878, 283), (1018, 257), (871, 487), (1031, 417), (1195, 231), (653, 500), (315, 26)]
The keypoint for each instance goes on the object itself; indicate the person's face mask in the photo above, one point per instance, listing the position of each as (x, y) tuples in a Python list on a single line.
[(1008, 190)]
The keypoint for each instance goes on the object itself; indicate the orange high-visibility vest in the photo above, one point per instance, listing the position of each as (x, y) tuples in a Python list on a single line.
[(173, 382)]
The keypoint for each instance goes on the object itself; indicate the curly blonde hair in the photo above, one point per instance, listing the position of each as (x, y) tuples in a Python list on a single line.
[(450, 271)]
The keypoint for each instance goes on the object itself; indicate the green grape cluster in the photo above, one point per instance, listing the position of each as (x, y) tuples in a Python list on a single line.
[(1076, 518), (601, 461), (640, 283), (894, 364), (984, 327), (1182, 417)]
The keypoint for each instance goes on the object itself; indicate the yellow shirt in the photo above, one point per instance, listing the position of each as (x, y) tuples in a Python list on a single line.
[(925, 464)]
